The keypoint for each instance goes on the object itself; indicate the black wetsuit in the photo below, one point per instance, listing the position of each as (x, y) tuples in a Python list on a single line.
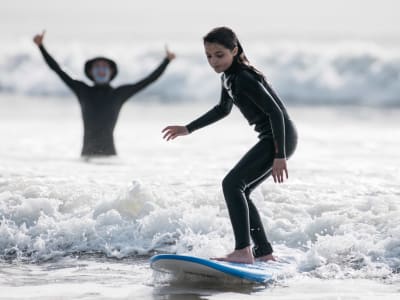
[(261, 106), (100, 106)]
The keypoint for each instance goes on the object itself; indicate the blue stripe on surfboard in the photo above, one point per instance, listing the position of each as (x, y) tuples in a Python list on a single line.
[(225, 267)]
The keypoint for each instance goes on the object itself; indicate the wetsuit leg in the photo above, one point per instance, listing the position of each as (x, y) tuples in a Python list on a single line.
[(254, 166), (261, 244)]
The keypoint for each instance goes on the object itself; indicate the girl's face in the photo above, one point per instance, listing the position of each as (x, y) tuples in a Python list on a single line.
[(219, 57)]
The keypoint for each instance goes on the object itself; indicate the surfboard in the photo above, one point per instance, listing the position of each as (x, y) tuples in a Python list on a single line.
[(259, 272)]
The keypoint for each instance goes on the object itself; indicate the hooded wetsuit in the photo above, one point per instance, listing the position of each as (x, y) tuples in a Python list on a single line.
[(100, 106), (261, 106)]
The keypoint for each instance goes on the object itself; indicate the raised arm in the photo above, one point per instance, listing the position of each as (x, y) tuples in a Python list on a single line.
[(71, 83), (262, 97), (124, 92)]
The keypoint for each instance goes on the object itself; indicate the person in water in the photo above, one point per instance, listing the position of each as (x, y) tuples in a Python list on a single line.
[(100, 103), (247, 88)]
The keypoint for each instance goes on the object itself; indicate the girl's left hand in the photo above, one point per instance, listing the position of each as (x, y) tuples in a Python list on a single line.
[(170, 55), (171, 132), (278, 167)]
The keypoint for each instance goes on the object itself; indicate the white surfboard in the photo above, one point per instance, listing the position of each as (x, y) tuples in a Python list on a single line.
[(260, 272)]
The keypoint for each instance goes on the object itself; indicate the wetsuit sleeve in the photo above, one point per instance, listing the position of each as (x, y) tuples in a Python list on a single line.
[(221, 110), (253, 89), (124, 92), (71, 83)]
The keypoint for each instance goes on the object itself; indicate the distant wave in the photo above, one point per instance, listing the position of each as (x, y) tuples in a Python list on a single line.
[(338, 73)]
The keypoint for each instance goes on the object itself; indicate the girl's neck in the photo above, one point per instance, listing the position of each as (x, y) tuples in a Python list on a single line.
[(233, 68)]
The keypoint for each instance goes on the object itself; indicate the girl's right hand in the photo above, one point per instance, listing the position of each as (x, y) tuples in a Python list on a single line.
[(171, 132), (38, 39), (279, 169)]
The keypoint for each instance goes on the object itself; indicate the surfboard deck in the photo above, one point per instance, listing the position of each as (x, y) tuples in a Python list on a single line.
[(259, 272)]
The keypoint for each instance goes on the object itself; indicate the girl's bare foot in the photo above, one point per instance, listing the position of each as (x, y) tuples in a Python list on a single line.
[(266, 258), (244, 256)]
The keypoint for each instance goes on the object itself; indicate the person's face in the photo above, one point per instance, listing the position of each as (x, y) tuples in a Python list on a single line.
[(101, 71), (219, 57)]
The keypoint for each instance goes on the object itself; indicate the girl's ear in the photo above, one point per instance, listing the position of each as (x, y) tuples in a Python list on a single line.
[(235, 51)]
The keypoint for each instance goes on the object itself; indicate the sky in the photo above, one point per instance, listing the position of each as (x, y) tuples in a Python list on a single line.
[(124, 19)]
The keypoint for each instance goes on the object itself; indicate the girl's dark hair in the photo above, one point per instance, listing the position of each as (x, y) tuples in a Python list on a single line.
[(227, 38)]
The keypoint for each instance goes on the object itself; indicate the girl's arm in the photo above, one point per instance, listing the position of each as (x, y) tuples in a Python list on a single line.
[(255, 90), (221, 110), (266, 101)]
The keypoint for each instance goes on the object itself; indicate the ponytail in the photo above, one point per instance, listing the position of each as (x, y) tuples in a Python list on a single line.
[(243, 61)]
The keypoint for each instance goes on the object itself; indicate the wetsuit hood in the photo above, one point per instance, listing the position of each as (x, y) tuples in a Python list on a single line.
[(90, 62)]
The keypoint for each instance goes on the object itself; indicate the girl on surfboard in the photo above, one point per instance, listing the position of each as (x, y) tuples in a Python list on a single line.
[(246, 87)]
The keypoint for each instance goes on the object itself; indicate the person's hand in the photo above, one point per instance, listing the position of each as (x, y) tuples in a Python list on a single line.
[(171, 132), (278, 167), (38, 39), (170, 55)]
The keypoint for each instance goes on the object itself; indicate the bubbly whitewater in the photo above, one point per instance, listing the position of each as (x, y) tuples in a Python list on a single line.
[(64, 221)]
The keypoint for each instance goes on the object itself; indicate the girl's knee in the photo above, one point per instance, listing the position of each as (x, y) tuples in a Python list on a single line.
[(232, 181)]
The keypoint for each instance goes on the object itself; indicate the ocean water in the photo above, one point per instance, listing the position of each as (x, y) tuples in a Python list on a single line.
[(339, 72), (75, 229), (71, 228)]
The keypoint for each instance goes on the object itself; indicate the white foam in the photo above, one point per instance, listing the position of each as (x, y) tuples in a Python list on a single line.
[(337, 215)]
